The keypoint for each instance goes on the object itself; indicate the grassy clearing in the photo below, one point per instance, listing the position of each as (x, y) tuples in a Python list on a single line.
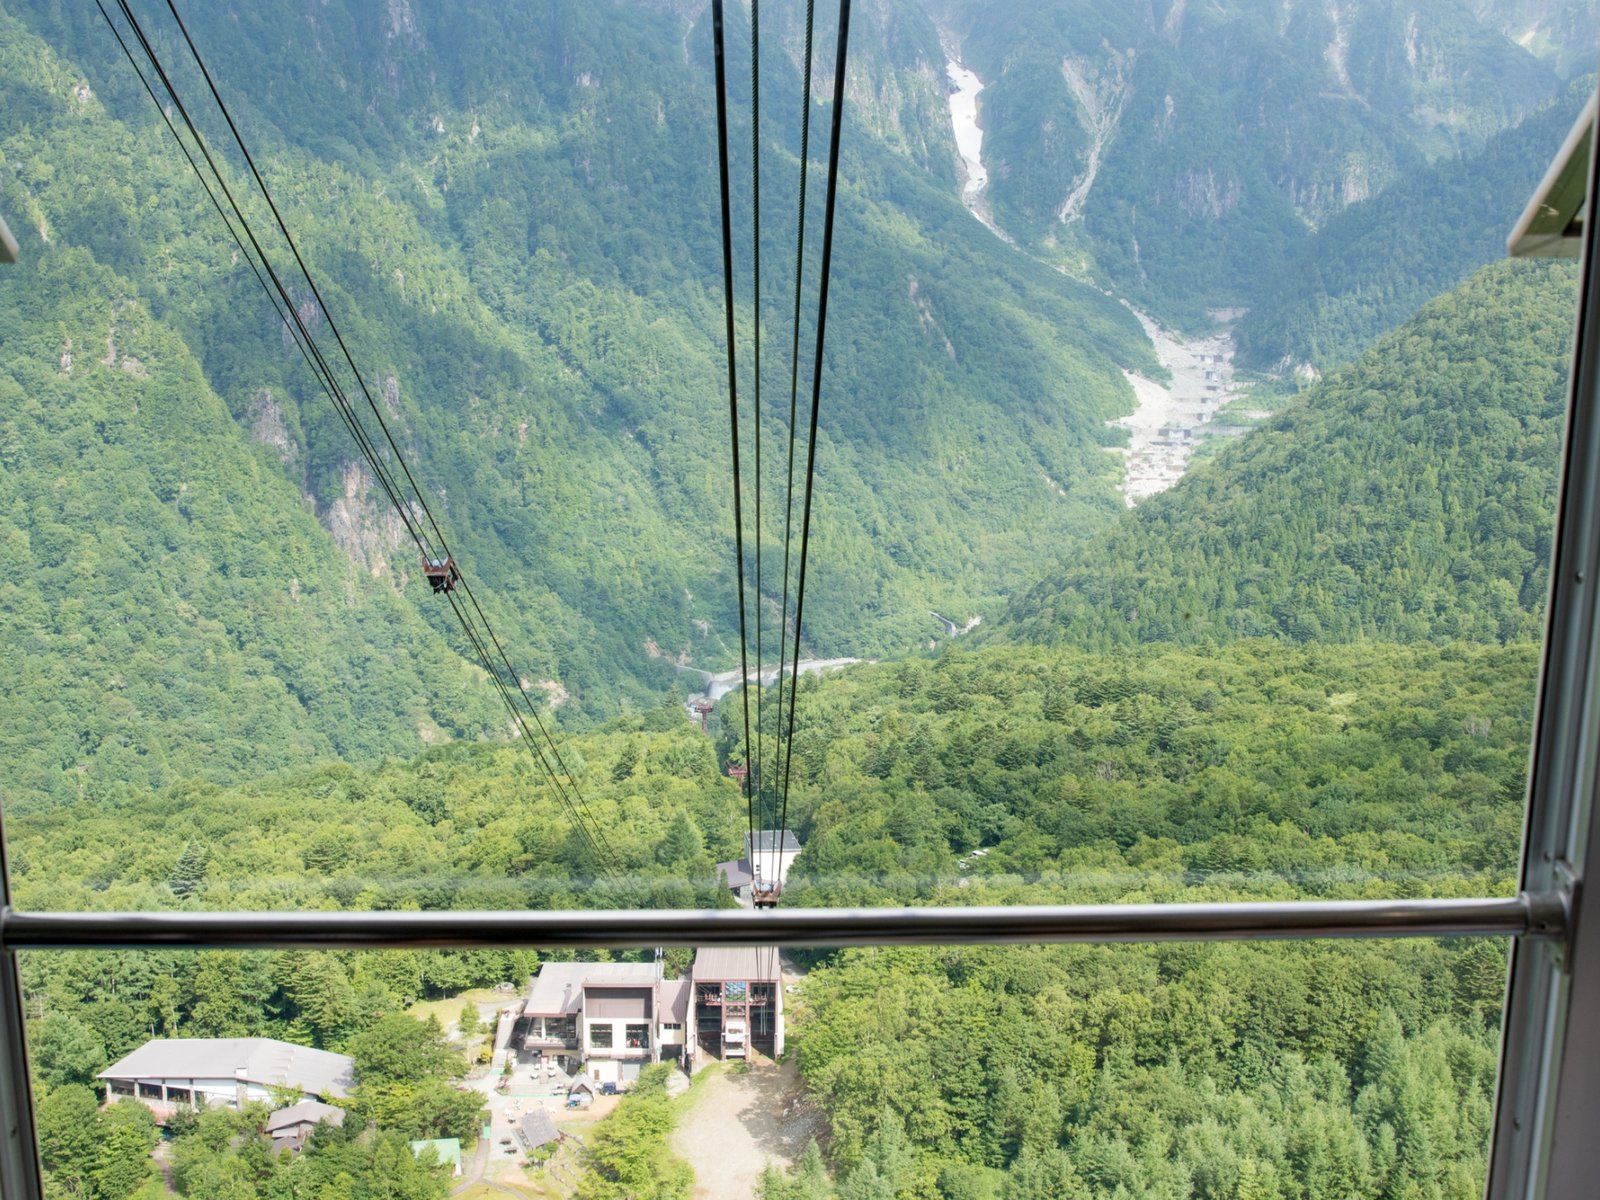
[(699, 1084), (448, 1010)]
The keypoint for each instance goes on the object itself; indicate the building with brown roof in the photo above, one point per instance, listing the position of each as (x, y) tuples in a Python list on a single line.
[(736, 1001)]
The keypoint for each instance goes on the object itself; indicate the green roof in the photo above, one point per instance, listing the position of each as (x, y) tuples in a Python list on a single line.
[(446, 1150)]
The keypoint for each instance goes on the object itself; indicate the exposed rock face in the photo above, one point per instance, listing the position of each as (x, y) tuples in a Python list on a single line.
[(391, 396), (1206, 195), (1101, 91), (264, 419), (365, 527)]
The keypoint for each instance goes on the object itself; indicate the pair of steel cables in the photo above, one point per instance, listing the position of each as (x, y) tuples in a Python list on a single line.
[(764, 796), (398, 483)]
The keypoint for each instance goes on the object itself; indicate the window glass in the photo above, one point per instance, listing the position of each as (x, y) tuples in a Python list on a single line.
[(1185, 474), (1301, 664), (1331, 1068)]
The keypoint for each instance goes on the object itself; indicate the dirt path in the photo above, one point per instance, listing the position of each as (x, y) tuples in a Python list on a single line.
[(474, 1171), (740, 1122)]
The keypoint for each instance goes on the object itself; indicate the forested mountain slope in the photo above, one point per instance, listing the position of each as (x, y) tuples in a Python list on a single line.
[(1563, 32), (513, 218), (1374, 264), (1258, 770), (1159, 773), (172, 608), (1174, 149), (1408, 496)]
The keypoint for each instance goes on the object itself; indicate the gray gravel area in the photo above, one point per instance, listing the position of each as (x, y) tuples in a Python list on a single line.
[(739, 1122)]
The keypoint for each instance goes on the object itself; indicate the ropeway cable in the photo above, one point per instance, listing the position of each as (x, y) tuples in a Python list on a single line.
[(784, 748), (816, 371), (583, 819), (773, 854), (719, 55), (293, 321)]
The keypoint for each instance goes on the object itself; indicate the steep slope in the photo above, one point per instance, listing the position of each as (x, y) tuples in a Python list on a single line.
[(1408, 496), (513, 214), (1378, 261), (1563, 32), (1175, 149), (170, 606)]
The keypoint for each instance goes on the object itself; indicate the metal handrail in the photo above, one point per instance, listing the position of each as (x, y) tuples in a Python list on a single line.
[(1541, 915)]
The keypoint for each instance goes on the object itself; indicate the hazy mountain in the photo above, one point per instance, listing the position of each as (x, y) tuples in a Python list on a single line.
[(1173, 149), (1377, 262), (513, 215), (1565, 33)]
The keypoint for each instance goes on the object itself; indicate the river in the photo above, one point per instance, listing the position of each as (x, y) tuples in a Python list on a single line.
[(718, 684), (1170, 419)]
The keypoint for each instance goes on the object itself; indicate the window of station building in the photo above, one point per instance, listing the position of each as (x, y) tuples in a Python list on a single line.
[(637, 1037), (600, 1036)]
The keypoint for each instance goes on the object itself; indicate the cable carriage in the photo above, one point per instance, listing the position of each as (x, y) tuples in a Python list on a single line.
[(441, 573), (765, 895)]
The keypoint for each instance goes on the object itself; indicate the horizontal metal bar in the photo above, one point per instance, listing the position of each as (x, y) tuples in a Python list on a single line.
[(1518, 916)]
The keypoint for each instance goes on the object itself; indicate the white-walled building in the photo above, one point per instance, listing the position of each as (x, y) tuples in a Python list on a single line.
[(605, 1022), (169, 1073), (608, 1020), (767, 857)]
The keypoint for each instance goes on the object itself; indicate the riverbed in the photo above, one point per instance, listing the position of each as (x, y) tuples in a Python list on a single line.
[(716, 685), (1169, 419)]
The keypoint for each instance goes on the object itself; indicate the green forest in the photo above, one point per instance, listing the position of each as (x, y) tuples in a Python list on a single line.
[(550, 350), (1376, 262), (1259, 770), (1306, 670), (1410, 495)]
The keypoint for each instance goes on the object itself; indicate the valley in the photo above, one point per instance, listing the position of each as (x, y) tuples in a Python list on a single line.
[(969, 141), (1175, 417), (716, 685), (1056, 651), (1169, 418)]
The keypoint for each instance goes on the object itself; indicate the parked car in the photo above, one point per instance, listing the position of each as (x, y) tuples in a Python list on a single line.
[(608, 1089)]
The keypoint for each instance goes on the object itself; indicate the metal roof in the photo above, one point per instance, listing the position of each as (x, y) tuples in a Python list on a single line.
[(308, 1112), (738, 872), (1552, 224), (254, 1060), (719, 963), (675, 1000), (537, 1129), (557, 989), (768, 840)]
